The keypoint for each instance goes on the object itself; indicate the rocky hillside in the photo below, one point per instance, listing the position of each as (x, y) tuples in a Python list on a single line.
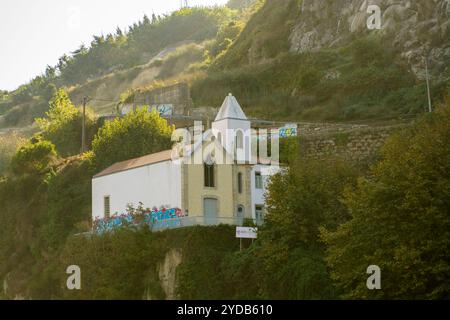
[(119, 61), (284, 59), (412, 27), (416, 28), (318, 60)]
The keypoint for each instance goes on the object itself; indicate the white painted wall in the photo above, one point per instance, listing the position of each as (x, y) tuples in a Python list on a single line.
[(258, 194), (154, 185), (228, 129)]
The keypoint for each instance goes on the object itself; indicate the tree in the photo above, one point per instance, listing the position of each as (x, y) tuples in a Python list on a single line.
[(305, 198), (146, 20), (68, 201), (300, 201), (400, 218), (137, 134), (33, 157), (63, 124), (50, 72)]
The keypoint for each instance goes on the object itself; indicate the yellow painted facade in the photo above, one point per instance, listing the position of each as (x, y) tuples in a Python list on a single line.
[(225, 191)]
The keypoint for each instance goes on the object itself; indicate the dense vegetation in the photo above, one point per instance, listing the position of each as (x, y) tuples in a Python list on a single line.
[(45, 197), (139, 133), (327, 220), (245, 49), (362, 79), (400, 218), (62, 125)]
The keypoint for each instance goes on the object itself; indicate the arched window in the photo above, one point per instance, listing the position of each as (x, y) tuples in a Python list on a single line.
[(209, 175), (239, 182), (239, 140), (240, 213)]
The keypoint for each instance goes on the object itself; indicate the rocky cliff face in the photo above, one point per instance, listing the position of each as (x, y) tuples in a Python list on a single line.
[(168, 272), (414, 27), (166, 277)]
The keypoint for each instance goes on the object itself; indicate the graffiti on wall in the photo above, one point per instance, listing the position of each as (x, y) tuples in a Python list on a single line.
[(163, 109), (156, 219), (289, 130)]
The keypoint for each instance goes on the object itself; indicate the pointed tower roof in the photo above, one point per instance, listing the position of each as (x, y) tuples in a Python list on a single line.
[(230, 110)]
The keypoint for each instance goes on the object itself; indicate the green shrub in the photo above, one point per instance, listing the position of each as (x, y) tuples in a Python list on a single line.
[(33, 157), (63, 125), (137, 134), (400, 218)]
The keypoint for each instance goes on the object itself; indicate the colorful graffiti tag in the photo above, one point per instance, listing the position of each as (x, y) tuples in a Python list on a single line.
[(163, 109), (156, 219), (290, 130)]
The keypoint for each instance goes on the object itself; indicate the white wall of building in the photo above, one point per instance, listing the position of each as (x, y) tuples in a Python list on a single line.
[(228, 129), (154, 185), (258, 195)]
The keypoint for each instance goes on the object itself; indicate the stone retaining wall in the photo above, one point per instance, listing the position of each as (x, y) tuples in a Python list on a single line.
[(359, 144)]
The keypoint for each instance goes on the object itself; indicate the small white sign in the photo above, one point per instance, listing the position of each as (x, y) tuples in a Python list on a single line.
[(247, 233)]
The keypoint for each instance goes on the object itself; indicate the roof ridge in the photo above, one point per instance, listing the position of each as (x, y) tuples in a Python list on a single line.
[(134, 163)]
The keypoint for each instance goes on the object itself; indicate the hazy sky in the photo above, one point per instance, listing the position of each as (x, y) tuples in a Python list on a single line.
[(34, 34)]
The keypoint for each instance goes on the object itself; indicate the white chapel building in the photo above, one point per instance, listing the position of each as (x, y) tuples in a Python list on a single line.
[(209, 192)]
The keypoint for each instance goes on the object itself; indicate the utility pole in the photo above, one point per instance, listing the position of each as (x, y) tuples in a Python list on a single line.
[(83, 126), (428, 85)]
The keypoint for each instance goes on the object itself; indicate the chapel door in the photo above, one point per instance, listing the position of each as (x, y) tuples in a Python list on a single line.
[(210, 211)]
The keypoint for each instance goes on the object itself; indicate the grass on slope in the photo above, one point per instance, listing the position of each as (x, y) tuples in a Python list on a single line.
[(361, 81)]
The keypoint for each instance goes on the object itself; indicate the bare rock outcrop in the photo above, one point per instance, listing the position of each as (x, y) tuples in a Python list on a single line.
[(416, 28)]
